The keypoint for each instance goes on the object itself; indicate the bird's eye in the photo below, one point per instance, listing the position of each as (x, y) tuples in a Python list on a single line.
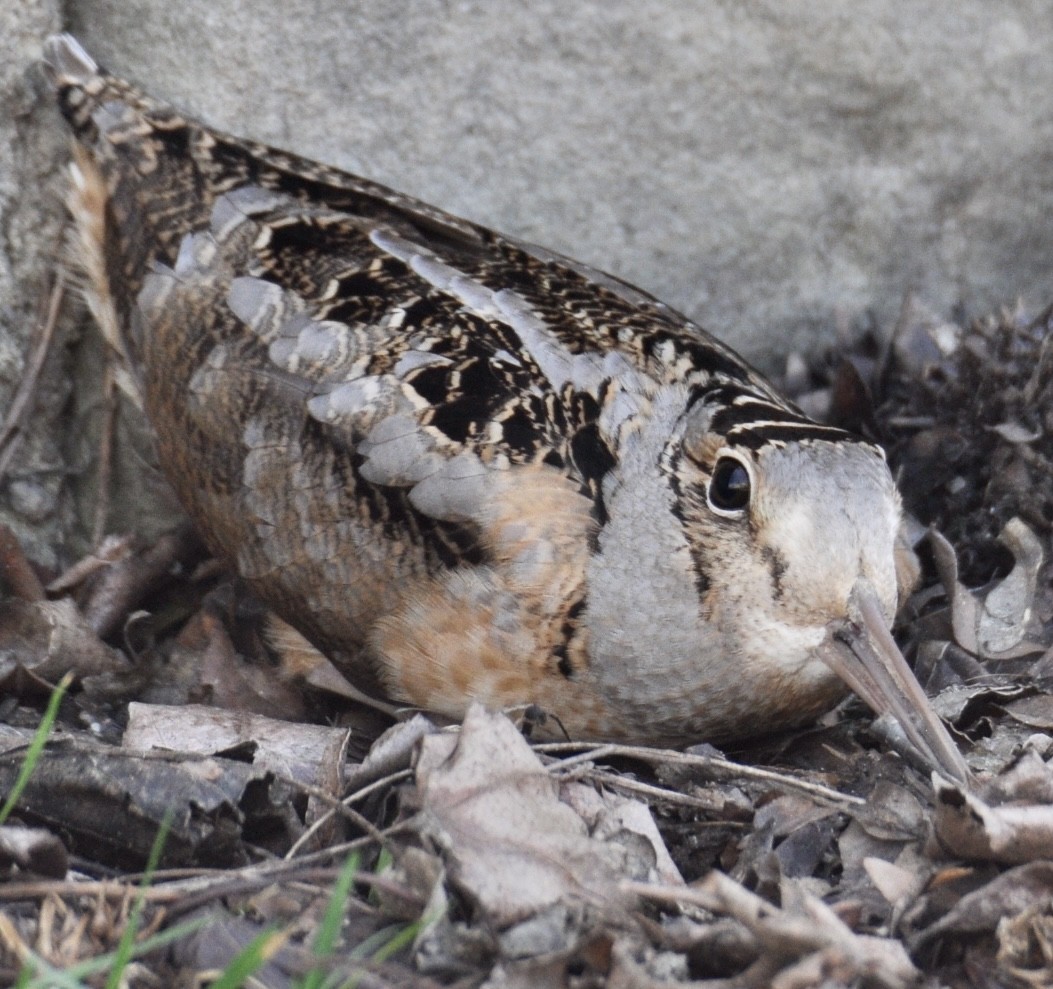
[(729, 487)]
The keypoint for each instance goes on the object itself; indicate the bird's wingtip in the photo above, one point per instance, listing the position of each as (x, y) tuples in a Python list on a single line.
[(66, 61)]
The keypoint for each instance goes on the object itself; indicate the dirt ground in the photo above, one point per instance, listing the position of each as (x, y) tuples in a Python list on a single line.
[(320, 843)]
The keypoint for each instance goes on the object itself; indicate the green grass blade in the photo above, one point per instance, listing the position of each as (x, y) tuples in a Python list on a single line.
[(398, 941), (126, 946), (250, 959), (39, 974), (384, 862), (329, 930), (391, 940), (36, 747)]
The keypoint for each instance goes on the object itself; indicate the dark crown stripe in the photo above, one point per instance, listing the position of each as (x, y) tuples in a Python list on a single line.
[(721, 392), (758, 435), (748, 412)]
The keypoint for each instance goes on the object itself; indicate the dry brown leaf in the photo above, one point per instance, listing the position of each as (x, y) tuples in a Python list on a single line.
[(610, 815), (305, 753), (112, 549), (1007, 608), (1036, 712), (967, 827), (51, 638), (995, 627), (117, 589), (510, 845), (856, 847), (207, 668), (893, 882), (1025, 945), (789, 936), (391, 753), (891, 813), (1007, 895)]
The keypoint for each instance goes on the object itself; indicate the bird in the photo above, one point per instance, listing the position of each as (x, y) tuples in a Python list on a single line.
[(469, 469)]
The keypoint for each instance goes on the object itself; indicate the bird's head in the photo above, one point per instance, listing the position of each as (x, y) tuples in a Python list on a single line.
[(804, 521)]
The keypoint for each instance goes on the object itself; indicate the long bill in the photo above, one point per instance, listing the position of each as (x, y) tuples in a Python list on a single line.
[(862, 652)]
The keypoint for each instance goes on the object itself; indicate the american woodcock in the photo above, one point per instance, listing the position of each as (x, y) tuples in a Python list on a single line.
[(468, 468)]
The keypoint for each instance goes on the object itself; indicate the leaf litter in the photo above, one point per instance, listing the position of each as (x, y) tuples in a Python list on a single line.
[(821, 857)]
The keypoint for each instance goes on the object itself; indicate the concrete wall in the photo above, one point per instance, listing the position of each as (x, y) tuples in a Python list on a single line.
[(772, 168)]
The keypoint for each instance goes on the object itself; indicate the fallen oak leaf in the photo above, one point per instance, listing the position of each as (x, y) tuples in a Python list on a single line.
[(994, 627), (966, 827), (51, 638), (1007, 895), (509, 843), (300, 752)]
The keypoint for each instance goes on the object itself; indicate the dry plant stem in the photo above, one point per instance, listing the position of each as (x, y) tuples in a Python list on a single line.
[(18, 575), (319, 877), (714, 764), (654, 794), (105, 464), (113, 549), (126, 582), (337, 807), (22, 402), (722, 895), (192, 880), (183, 896), (10, 937), (346, 802), (790, 935)]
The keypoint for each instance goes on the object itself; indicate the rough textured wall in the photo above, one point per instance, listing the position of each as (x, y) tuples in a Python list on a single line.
[(34, 489), (770, 168)]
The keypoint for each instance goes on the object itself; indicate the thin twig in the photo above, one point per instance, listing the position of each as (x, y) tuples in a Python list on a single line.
[(713, 764), (22, 401), (655, 793), (346, 802), (105, 461), (337, 806), (187, 894)]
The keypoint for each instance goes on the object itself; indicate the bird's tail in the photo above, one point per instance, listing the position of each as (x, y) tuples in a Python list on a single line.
[(85, 91)]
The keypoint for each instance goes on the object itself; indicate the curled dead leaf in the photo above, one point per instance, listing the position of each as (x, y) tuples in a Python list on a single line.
[(993, 627), (510, 844), (51, 638), (967, 827)]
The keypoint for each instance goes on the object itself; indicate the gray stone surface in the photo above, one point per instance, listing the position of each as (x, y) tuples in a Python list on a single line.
[(774, 169), (763, 165), (34, 492)]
